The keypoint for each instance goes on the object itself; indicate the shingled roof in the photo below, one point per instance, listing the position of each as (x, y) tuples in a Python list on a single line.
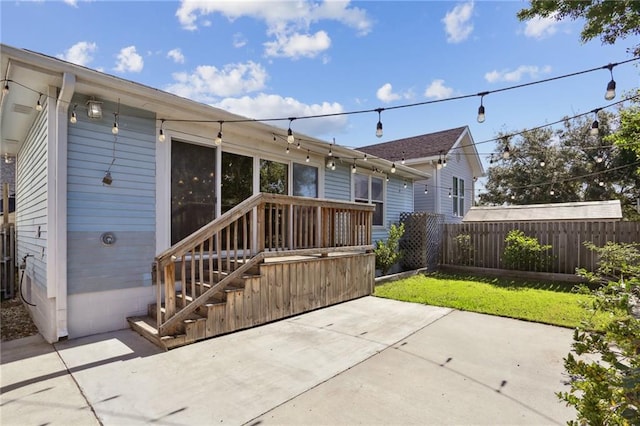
[(429, 145)]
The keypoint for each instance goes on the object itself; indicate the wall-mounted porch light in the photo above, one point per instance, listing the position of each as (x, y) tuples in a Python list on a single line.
[(94, 108)]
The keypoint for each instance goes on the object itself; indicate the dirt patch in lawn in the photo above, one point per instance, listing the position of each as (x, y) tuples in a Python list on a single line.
[(15, 320)]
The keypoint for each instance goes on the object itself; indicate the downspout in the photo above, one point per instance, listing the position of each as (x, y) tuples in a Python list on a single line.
[(59, 170)]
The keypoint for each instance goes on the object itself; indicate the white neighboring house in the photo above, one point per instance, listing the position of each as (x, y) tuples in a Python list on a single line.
[(450, 156)]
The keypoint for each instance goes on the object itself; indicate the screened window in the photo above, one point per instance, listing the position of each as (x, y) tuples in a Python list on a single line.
[(236, 179), (370, 189), (193, 191), (305, 180), (458, 196), (274, 177)]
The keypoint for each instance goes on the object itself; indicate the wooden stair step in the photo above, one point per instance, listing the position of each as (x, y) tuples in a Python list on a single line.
[(146, 327)]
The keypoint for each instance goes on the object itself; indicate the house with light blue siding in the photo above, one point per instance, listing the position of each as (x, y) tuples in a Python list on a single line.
[(452, 161), (97, 210)]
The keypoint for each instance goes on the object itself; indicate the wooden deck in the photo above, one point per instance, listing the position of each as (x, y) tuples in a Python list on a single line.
[(305, 254)]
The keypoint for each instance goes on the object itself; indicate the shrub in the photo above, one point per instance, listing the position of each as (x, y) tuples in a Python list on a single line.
[(525, 253), (464, 249), (605, 386), (388, 252)]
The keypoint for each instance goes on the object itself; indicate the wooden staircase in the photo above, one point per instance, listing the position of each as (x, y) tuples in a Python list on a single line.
[(222, 313), (270, 257)]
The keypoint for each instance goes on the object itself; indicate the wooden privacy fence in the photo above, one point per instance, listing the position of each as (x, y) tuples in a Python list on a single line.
[(482, 244)]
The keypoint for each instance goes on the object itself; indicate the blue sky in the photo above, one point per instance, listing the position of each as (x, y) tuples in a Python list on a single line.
[(297, 58)]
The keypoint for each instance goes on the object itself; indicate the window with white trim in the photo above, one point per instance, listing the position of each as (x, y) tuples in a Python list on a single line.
[(370, 189), (458, 196)]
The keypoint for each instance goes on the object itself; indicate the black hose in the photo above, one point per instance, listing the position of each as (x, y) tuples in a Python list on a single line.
[(20, 285)]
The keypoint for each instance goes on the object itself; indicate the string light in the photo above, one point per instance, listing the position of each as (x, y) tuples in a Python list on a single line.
[(74, 117), (353, 167), (506, 153), (365, 157), (595, 125), (298, 146), (404, 185), (611, 86), (393, 167), (542, 163), (402, 162), (450, 195), (308, 158), (287, 150), (379, 125), (218, 139), (481, 116), (39, 104), (5, 89), (115, 129), (426, 189), (290, 138), (161, 136)]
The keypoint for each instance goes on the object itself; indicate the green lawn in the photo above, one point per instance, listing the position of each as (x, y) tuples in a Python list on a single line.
[(548, 303)]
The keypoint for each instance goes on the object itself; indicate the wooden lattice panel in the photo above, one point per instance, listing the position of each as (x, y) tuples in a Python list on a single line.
[(421, 239)]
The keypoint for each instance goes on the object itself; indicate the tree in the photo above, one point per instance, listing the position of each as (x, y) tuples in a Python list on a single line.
[(609, 20), (569, 164)]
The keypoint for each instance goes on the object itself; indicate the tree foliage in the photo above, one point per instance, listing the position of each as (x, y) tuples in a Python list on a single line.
[(609, 20), (605, 370), (569, 164)]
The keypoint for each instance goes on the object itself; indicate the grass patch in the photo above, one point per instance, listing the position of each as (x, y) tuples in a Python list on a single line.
[(548, 303)]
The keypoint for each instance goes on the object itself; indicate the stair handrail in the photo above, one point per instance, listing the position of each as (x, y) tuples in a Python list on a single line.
[(198, 237)]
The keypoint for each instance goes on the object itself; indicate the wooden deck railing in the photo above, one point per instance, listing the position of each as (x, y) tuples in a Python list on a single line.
[(264, 225)]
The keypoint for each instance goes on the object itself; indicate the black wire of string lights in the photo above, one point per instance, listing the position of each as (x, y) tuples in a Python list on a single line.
[(609, 94)]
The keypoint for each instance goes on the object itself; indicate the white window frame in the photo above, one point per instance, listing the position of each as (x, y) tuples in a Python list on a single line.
[(457, 196), (370, 177)]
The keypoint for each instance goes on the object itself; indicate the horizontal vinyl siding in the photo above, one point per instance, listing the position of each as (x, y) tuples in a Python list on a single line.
[(126, 208), (398, 199), (458, 167), (31, 201), (337, 183), (424, 202)]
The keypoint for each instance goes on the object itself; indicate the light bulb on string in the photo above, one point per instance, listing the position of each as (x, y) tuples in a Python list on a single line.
[(450, 195), (308, 158), (379, 125), (365, 157), (402, 162), (393, 167), (404, 185), (115, 129), (611, 86), (354, 168), (506, 153), (481, 116), (39, 104), (426, 189), (218, 140), (290, 137), (161, 136), (5, 89), (74, 117), (595, 125)]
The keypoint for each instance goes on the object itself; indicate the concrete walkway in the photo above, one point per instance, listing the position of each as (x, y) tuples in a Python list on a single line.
[(368, 361)]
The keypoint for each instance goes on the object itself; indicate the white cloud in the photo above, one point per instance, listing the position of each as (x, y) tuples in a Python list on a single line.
[(540, 28), (287, 21), (298, 45), (516, 75), (239, 40), (208, 83), (438, 90), (456, 22), (265, 106), (80, 53), (176, 55), (129, 60), (73, 3), (385, 93)]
